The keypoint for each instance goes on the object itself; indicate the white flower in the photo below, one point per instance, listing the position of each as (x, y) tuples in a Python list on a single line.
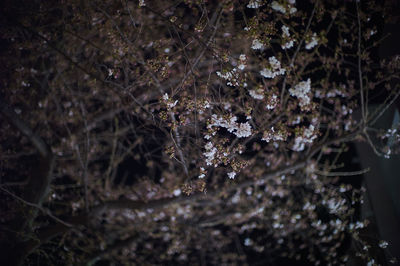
[(298, 144), (268, 135), (165, 97), (308, 133), (383, 244), (240, 130), (171, 105), (272, 102), (267, 73), (297, 121), (285, 31), (227, 75), (301, 91), (285, 35), (288, 44), (202, 176), (313, 42), (177, 192), (278, 7), (274, 69), (231, 77), (256, 94), (232, 175), (254, 4), (334, 205), (227, 106), (270, 107), (242, 59), (209, 145), (142, 3), (359, 225), (257, 45), (244, 130), (232, 124), (307, 137), (310, 207), (275, 64), (210, 153), (247, 242)]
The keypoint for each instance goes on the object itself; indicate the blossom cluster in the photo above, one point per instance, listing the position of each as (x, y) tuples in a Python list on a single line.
[(331, 93), (257, 94), (288, 42), (241, 130), (169, 102), (210, 153), (272, 102), (274, 135), (284, 9), (274, 68), (313, 42), (257, 45), (308, 136), (242, 61), (334, 205), (231, 77), (301, 91), (254, 4)]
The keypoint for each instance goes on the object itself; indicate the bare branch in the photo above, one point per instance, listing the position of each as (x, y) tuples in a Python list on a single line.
[(13, 119), (363, 110), (37, 206), (360, 172)]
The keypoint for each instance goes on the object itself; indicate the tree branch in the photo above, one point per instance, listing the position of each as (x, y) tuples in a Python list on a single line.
[(14, 120)]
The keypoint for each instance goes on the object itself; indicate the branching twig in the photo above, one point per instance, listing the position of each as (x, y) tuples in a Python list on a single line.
[(372, 144), (13, 119), (296, 52), (352, 173), (37, 206), (382, 110)]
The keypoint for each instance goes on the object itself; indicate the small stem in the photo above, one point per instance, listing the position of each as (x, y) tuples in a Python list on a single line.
[(359, 66)]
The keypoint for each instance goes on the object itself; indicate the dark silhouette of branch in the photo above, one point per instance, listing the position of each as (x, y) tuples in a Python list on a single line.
[(36, 188), (13, 119), (37, 206), (46, 234)]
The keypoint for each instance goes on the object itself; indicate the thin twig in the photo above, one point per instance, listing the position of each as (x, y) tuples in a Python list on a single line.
[(359, 66), (13, 119), (85, 164), (372, 144), (352, 173), (44, 210), (385, 106)]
